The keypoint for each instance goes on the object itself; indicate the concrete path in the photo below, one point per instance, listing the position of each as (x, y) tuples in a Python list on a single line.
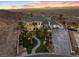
[(38, 44)]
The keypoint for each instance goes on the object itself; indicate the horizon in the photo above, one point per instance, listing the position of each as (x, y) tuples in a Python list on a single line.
[(36, 4)]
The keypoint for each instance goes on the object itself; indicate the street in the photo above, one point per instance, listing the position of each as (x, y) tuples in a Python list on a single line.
[(61, 42), (60, 39)]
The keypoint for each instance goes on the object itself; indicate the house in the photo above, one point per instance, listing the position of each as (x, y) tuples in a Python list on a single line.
[(39, 20), (30, 26)]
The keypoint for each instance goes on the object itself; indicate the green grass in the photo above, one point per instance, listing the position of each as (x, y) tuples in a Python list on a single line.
[(26, 44), (31, 46), (41, 34), (42, 48), (23, 40)]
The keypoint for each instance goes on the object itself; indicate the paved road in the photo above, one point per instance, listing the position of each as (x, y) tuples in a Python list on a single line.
[(60, 39), (46, 55), (38, 44)]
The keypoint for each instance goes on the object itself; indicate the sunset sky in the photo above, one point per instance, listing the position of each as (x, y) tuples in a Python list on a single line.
[(35, 4)]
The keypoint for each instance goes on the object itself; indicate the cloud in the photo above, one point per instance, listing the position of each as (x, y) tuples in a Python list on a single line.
[(74, 3), (47, 4), (43, 4)]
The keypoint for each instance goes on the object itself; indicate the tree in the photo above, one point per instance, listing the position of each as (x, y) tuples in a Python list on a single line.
[(39, 32), (20, 26), (22, 34), (22, 38), (34, 24), (30, 35), (45, 33), (31, 15), (60, 16)]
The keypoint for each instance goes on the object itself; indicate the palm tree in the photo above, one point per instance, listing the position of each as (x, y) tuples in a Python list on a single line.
[(34, 24), (30, 35), (45, 32)]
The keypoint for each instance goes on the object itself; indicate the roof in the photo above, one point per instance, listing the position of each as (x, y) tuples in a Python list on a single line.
[(36, 18)]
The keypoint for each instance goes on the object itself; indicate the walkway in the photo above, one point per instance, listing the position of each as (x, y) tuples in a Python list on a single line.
[(38, 44)]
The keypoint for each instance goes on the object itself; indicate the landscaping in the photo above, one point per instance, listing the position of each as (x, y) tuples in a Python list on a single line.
[(42, 34), (27, 41)]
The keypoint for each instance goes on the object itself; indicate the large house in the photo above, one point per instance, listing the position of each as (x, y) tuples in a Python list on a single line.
[(39, 20), (30, 25)]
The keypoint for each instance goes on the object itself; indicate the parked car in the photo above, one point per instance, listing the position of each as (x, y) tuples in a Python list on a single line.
[(57, 26), (72, 28)]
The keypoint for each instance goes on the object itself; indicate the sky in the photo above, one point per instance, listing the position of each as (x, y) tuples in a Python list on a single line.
[(14, 3), (35, 4)]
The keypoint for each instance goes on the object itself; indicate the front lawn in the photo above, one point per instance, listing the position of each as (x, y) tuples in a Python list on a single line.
[(26, 43), (43, 47)]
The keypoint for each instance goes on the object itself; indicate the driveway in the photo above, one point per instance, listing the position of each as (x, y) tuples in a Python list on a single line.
[(38, 44)]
